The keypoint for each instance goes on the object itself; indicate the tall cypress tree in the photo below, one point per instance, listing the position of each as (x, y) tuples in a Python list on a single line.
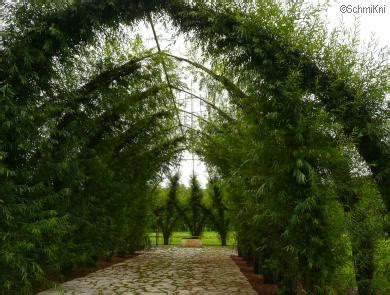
[(194, 215), (168, 214), (217, 212)]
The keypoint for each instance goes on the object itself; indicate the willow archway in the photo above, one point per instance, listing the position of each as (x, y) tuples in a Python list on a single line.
[(27, 62), (246, 43)]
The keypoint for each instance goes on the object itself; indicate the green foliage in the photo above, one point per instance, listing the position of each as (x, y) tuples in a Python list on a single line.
[(366, 222), (178, 207), (281, 158), (85, 132), (264, 42), (217, 211), (167, 214), (194, 214), (101, 133), (209, 238)]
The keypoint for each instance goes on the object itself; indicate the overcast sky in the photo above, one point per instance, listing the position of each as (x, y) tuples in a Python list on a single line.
[(376, 23)]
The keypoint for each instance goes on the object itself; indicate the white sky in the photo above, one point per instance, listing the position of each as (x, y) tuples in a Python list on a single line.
[(374, 23)]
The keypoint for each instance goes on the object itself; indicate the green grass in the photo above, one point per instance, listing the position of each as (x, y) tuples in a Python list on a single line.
[(209, 238)]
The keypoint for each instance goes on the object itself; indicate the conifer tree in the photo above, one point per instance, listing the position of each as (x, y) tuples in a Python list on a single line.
[(168, 214)]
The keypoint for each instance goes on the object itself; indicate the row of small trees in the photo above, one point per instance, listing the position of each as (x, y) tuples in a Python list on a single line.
[(192, 209)]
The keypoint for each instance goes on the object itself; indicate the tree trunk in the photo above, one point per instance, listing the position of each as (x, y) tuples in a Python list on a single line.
[(363, 257), (223, 238), (362, 243), (166, 238)]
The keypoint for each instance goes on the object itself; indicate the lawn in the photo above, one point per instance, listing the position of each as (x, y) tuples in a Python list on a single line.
[(209, 238)]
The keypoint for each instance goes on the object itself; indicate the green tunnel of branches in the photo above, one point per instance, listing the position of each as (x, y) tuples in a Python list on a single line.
[(87, 128)]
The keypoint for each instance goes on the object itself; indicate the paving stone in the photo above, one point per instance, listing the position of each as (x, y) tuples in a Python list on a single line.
[(166, 270)]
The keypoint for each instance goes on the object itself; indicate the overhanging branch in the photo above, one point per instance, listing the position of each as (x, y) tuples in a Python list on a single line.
[(233, 90)]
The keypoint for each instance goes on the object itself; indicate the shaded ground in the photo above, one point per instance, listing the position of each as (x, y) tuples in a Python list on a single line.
[(166, 270), (256, 280)]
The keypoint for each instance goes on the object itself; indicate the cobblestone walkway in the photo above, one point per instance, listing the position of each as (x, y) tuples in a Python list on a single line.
[(171, 270)]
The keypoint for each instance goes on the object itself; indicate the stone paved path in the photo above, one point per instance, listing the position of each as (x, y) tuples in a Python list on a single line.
[(170, 270)]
